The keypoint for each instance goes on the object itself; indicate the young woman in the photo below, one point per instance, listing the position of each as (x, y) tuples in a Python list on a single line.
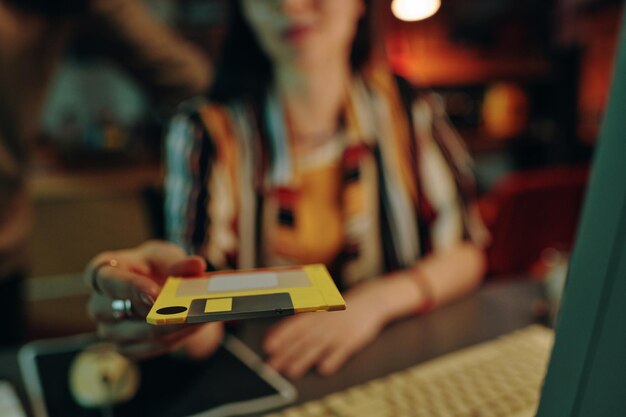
[(306, 151)]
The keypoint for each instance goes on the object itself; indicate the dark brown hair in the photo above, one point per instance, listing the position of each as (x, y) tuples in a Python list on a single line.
[(53, 9), (245, 71)]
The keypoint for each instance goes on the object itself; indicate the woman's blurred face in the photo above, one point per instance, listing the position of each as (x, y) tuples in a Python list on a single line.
[(304, 33)]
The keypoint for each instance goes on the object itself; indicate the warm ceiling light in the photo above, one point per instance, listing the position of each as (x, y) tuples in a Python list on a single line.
[(413, 10)]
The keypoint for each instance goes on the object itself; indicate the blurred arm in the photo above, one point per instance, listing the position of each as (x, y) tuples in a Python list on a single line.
[(448, 275), (171, 67)]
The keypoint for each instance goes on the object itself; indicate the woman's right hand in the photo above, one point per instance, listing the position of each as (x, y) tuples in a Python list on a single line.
[(137, 275)]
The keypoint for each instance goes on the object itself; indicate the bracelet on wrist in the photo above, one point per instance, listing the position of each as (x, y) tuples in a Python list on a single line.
[(428, 300)]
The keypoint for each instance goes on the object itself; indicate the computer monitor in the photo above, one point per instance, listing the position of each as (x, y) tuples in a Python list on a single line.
[(587, 371)]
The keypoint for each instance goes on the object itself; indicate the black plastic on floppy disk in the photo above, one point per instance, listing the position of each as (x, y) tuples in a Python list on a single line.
[(244, 307)]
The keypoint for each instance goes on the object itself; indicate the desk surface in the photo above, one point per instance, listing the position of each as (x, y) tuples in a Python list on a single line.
[(496, 309)]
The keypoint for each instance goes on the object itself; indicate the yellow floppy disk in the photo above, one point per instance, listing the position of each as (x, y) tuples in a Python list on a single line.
[(232, 295)]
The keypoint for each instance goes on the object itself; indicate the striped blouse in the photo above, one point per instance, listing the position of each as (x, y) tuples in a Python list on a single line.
[(393, 184)]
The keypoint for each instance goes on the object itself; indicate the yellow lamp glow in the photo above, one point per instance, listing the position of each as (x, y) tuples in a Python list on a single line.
[(413, 10)]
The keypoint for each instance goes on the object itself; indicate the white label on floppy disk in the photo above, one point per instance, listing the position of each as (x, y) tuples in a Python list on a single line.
[(238, 282)]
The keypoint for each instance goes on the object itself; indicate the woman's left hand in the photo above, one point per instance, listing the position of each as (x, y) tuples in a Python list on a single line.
[(324, 340)]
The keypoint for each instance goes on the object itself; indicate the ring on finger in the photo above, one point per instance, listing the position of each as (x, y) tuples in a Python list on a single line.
[(94, 273), (122, 309)]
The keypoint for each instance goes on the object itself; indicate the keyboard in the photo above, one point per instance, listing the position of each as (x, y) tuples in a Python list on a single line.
[(498, 378)]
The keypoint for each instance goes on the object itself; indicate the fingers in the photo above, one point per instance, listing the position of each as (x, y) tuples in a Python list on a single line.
[(298, 344), (141, 351), (205, 341), (288, 329), (167, 259), (348, 345), (304, 357), (121, 275), (132, 331), (191, 266), (137, 275), (337, 357), (282, 359), (198, 341), (100, 309), (115, 283), (318, 340), (154, 260)]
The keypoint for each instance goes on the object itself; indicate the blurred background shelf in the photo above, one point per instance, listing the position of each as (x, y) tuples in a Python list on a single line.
[(77, 215)]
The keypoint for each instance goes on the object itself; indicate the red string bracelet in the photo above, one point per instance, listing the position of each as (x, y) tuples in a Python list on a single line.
[(421, 280)]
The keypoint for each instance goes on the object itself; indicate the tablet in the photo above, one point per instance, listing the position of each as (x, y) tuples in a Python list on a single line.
[(243, 294), (232, 382)]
